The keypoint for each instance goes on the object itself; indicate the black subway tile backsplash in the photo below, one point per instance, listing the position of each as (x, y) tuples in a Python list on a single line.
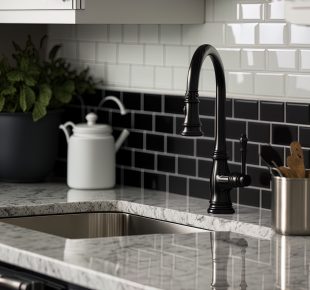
[(164, 124), (235, 128), (155, 142), (135, 140), (259, 132), (283, 134), (199, 188), (163, 160), (187, 166), (152, 103), (304, 136), (174, 104), (178, 185), (144, 160), (298, 113), (132, 101), (246, 109), (249, 196), (143, 121), (166, 163), (155, 181), (272, 111), (180, 145)]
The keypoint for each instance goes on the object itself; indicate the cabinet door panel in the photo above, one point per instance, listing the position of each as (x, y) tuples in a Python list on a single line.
[(37, 4)]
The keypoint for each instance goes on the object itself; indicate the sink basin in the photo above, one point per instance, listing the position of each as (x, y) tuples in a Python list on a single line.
[(95, 225)]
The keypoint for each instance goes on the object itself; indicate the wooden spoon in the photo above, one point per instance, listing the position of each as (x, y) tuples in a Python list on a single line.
[(296, 160)]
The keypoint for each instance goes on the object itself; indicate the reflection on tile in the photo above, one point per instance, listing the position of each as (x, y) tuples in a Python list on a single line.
[(241, 33), (298, 86), (239, 82), (305, 59), (269, 84), (251, 11), (300, 34), (230, 57), (253, 59), (284, 59), (276, 9), (272, 33)]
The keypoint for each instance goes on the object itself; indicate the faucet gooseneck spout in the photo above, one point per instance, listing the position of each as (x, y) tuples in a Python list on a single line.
[(221, 180)]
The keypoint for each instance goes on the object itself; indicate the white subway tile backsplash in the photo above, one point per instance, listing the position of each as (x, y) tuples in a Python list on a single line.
[(69, 49), (154, 54), (207, 81), (239, 82), (281, 60), (211, 33), (275, 10), (59, 31), (170, 34), (300, 34), (95, 32), (297, 86), (117, 75), (115, 33), (272, 33), (251, 11), (261, 53), (177, 56), (87, 51), (180, 78), (142, 76), (130, 54), (253, 59), (269, 84), (230, 58), (163, 78), (130, 33), (225, 10), (305, 59), (149, 33), (241, 33), (107, 52)]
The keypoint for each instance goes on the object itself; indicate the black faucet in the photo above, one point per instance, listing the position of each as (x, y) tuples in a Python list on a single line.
[(221, 180)]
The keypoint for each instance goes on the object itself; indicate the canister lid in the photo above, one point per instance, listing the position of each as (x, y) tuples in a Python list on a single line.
[(91, 128)]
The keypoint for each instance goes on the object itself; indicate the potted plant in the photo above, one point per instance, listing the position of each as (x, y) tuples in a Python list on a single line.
[(32, 92)]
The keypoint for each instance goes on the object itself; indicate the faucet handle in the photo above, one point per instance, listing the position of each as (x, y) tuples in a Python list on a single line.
[(243, 150)]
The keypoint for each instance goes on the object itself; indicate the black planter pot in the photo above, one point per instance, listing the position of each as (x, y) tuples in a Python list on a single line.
[(28, 149)]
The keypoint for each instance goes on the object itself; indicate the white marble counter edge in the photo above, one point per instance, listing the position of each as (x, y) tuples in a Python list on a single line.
[(209, 222)]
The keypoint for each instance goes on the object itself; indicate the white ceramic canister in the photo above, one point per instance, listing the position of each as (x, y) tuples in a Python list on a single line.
[(91, 154)]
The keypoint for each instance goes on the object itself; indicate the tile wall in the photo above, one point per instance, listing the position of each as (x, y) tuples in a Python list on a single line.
[(267, 64), (155, 156), (264, 56)]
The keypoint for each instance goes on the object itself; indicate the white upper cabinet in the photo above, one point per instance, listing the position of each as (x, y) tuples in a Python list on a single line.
[(103, 11), (40, 4)]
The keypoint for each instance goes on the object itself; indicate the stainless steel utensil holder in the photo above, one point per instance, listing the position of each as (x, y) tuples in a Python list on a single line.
[(291, 205)]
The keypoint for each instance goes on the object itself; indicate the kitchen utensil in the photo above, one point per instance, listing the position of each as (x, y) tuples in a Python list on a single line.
[(269, 155), (91, 153), (296, 160), (286, 172)]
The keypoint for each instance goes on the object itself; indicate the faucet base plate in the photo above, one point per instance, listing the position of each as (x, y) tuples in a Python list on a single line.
[(221, 209)]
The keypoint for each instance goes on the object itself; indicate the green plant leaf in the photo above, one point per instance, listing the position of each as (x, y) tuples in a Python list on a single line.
[(24, 64), (15, 76), (2, 102), (45, 95), (8, 91), (39, 111), (30, 81), (26, 98), (53, 53)]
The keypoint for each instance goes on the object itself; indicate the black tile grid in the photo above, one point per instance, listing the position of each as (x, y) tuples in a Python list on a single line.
[(157, 157)]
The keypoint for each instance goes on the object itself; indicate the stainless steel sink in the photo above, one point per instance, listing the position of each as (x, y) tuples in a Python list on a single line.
[(95, 225)]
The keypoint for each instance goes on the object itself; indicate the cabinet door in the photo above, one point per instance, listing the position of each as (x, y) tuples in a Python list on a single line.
[(40, 4)]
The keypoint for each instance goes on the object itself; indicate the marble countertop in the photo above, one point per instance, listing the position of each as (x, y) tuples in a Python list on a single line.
[(243, 253)]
